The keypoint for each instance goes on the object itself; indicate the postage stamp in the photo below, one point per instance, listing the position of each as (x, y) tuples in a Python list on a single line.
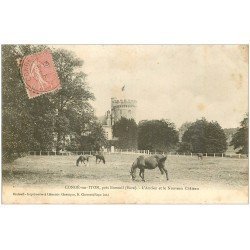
[(39, 74)]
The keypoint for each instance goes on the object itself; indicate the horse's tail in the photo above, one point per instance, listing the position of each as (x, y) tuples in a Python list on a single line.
[(103, 159), (77, 161)]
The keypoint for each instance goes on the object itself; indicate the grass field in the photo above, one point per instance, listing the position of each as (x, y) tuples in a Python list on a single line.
[(183, 170)]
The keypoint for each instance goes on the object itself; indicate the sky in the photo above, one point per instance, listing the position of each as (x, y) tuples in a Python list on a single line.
[(176, 82)]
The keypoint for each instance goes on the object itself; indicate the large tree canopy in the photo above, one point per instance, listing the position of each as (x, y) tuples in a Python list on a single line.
[(240, 138), (94, 137), (126, 132), (31, 124), (183, 128), (205, 137), (159, 135)]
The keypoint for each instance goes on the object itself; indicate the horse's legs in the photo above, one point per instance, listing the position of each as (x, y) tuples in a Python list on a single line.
[(162, 172), (165, 170), (141, 174)]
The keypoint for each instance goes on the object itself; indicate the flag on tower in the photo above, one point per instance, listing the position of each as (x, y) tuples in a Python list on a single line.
[(123, 88)]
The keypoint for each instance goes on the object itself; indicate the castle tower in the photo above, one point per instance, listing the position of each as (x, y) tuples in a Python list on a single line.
[(122, 108), (108, 117)]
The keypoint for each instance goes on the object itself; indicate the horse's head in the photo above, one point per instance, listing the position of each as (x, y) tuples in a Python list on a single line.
[(133, 170), (132, 173)]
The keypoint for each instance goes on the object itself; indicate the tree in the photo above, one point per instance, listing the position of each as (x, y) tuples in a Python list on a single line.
[(183, 128), (17, 136), (240, 138), (184, 147), (126, 131), (159, 135), (18, 124), (205, 137), (94, 137), (30, 124), (72, 101)]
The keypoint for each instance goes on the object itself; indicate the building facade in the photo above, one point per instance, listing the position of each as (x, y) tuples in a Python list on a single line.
[(122, 108), (119, 108)]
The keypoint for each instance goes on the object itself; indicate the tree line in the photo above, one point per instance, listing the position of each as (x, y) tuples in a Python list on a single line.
[(200, 136)]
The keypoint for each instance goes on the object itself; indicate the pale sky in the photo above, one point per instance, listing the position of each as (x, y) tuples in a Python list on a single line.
[(176, 82)]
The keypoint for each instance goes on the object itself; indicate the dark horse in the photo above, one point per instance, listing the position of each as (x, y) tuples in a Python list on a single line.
[(150, 162), (82, 159), (200, 156), (99, 156)]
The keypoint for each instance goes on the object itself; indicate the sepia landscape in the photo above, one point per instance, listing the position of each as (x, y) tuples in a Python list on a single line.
[(125, 124)]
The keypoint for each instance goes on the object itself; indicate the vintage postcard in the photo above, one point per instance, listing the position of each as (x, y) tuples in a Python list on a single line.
[(125, 124)]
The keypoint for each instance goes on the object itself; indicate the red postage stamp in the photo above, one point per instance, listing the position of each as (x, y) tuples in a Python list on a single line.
[(39, 74)]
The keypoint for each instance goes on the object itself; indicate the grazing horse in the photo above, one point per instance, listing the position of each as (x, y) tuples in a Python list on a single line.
[(150, 162), (200, 156), (99, 156), (82, 159)]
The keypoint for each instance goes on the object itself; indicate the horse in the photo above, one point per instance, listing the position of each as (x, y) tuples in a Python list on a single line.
[(99, 156), (150, 162), (200, 156), (82, 159)]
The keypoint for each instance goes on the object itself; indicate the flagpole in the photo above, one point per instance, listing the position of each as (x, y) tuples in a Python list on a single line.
[(123, 92)]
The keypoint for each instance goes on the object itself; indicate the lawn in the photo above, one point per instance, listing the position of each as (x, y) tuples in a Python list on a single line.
[(183, 170)]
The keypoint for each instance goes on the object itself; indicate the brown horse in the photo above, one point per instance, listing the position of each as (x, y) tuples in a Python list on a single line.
[(82, 159), (99, 156), (150, 162), (200, 156)]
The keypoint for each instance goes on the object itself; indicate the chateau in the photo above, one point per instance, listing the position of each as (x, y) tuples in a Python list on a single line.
[(119, 108)]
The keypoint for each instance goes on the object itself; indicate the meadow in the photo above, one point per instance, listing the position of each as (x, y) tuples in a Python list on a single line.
[(226, 173)]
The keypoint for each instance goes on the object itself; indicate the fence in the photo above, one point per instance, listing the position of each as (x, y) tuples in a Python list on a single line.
[(221, 155), (144, 152)]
